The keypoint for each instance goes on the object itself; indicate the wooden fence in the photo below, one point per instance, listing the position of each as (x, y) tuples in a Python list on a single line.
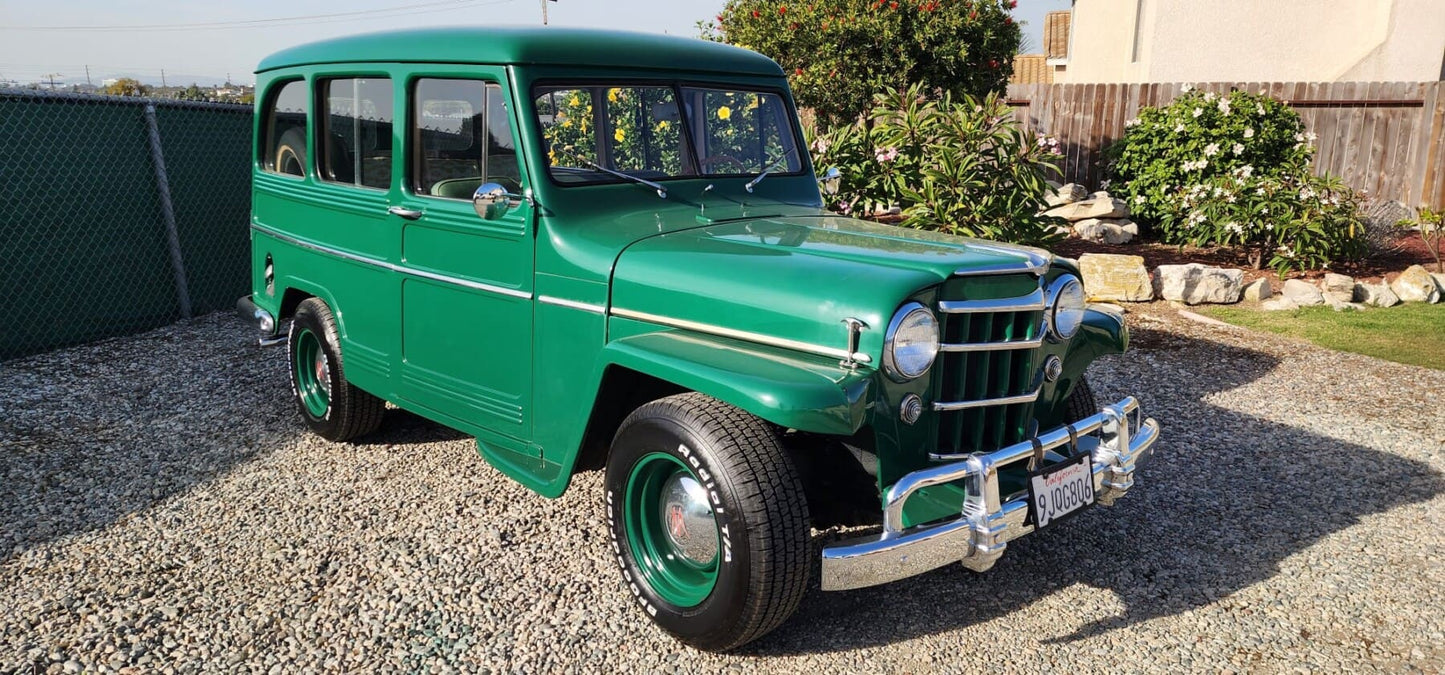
[(1384, 137)]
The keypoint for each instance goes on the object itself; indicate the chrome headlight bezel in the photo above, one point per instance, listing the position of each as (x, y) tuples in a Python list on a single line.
[(906, 315), (1065, 289)]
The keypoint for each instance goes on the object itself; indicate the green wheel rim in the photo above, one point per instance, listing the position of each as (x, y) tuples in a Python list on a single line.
[(676, 578), (313, 374)]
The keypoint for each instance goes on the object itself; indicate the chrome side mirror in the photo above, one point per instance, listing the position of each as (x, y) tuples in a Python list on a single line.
[(830, 181), (492, 201)]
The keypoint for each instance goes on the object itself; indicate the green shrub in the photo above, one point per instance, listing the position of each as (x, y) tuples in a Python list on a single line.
[(1196, 138), (962, 166), (839, 53), (1287, 222)]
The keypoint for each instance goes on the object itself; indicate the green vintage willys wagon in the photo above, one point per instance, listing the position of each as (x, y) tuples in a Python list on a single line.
[(599, 249)]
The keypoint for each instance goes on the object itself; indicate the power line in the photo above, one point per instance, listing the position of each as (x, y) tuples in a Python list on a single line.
[(444, 5)]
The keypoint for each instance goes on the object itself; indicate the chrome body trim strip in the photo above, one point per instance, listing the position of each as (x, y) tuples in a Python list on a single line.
[(985, 525), (949, 406), (1031, 260), (1032, 302), (573, 304), (401, 269), (992, 346), (759, 338)]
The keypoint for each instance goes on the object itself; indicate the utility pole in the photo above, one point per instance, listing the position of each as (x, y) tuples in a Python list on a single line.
[(51, 77), (163, 78), (87, 77), (544, 11)]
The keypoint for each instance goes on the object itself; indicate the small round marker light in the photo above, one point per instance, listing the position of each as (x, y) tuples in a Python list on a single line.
[(911, 409)]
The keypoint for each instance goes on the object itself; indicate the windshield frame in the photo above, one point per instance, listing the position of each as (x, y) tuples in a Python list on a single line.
[(677, 85)]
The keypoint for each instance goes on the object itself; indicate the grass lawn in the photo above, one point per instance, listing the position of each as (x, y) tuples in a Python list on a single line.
[(1412, 333)]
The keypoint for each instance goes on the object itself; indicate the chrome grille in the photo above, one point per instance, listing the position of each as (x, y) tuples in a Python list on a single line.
[(989, 377)]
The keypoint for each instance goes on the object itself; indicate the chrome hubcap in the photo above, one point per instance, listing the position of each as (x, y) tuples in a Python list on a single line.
[(323, 371), (687, 519)]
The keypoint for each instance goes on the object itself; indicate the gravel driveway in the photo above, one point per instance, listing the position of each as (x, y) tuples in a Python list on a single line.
[(160, 505)]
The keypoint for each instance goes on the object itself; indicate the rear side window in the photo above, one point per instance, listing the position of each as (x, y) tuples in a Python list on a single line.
[(355, 141), (284, 149), (461, 137)]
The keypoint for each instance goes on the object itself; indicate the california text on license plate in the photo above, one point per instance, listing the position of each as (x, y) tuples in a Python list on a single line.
[(1061, 489)]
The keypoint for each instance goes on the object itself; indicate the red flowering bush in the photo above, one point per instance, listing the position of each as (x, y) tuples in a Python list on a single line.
[(843, 52)]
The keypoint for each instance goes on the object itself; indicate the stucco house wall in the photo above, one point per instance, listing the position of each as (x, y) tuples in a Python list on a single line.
[(1255, 40)]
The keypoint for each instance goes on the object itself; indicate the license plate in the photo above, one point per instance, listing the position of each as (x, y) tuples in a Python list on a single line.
[(1062, 489)]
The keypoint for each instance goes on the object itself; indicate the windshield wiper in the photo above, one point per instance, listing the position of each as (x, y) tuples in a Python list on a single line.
[(769, 168), (661, 191)]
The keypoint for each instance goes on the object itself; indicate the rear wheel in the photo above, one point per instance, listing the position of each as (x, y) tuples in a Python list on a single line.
[(333, 408), (708, 520)]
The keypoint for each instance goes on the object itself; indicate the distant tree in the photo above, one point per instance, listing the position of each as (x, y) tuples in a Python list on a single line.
[(126, 86), (192, 93), (838, 54)]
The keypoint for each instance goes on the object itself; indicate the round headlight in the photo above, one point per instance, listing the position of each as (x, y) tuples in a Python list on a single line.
[(1066, 309), (911, 343)]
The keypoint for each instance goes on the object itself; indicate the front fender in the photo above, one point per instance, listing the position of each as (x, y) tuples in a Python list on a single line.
[(1103, 333), (782, 387)]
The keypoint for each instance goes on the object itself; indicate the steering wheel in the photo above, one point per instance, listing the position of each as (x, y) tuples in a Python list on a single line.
[(704, 162)]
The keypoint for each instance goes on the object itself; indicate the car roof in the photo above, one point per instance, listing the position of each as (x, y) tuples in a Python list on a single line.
[(528, 45)]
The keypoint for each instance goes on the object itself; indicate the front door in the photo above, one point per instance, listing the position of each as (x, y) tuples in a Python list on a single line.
[(466, 295)]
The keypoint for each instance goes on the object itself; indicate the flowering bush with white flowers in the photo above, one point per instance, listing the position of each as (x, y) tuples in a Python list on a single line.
[(1198, 137), (958, 165), (1292, 222)]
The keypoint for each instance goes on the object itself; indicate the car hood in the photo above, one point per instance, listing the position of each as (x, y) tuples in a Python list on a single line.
[(796, 278)]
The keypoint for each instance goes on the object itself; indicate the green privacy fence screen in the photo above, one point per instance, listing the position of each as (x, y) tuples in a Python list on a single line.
[(118, 215)]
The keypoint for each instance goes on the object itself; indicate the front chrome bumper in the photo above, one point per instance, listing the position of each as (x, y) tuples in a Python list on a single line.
[(982, 531)]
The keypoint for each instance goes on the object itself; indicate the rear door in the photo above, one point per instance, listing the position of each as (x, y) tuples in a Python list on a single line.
[(466, 294)]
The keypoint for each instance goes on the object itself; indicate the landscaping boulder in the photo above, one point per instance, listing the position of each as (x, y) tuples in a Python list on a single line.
[(1302, 293), (1339, 305), (1113, 231), (1339, 287), (1115, 278), (1378, 295), (1194, 284), (1066, 194), (1278, 303), (1259, 290), (1090, 208), (1388, 214), (1416, 285), (1439, 280)]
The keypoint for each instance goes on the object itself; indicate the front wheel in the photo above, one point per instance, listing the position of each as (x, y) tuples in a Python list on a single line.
[(708, 520)]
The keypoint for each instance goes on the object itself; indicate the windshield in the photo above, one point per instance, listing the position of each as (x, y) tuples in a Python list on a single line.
[(657, 132)]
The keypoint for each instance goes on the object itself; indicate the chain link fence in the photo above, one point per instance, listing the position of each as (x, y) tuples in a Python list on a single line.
[(118, 214)]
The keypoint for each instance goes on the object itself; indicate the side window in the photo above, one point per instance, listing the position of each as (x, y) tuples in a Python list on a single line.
[(461, 137), (284, 149), (355, 139)]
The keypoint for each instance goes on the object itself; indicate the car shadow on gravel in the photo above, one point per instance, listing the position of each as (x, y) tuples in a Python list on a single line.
[(1225, 498), (92, 435)]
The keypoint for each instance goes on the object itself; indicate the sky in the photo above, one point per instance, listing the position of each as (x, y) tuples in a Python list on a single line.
[(210, 54)]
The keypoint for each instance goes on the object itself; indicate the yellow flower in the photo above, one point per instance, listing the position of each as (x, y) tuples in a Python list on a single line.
[(662, 126), (573, 100), (724, 112), (567, 123), (620, 135), (612, 94), (754, 104)]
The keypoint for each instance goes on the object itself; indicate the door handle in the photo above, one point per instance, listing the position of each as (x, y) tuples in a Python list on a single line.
[(409, 214)]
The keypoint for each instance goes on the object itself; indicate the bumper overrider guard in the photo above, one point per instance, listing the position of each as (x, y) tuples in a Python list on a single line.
[(978, 537)]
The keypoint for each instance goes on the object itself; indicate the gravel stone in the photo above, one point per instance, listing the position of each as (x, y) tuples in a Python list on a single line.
[(162, 509)]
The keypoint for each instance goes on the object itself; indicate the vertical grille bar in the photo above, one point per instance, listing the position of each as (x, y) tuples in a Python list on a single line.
[(989, 373)]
